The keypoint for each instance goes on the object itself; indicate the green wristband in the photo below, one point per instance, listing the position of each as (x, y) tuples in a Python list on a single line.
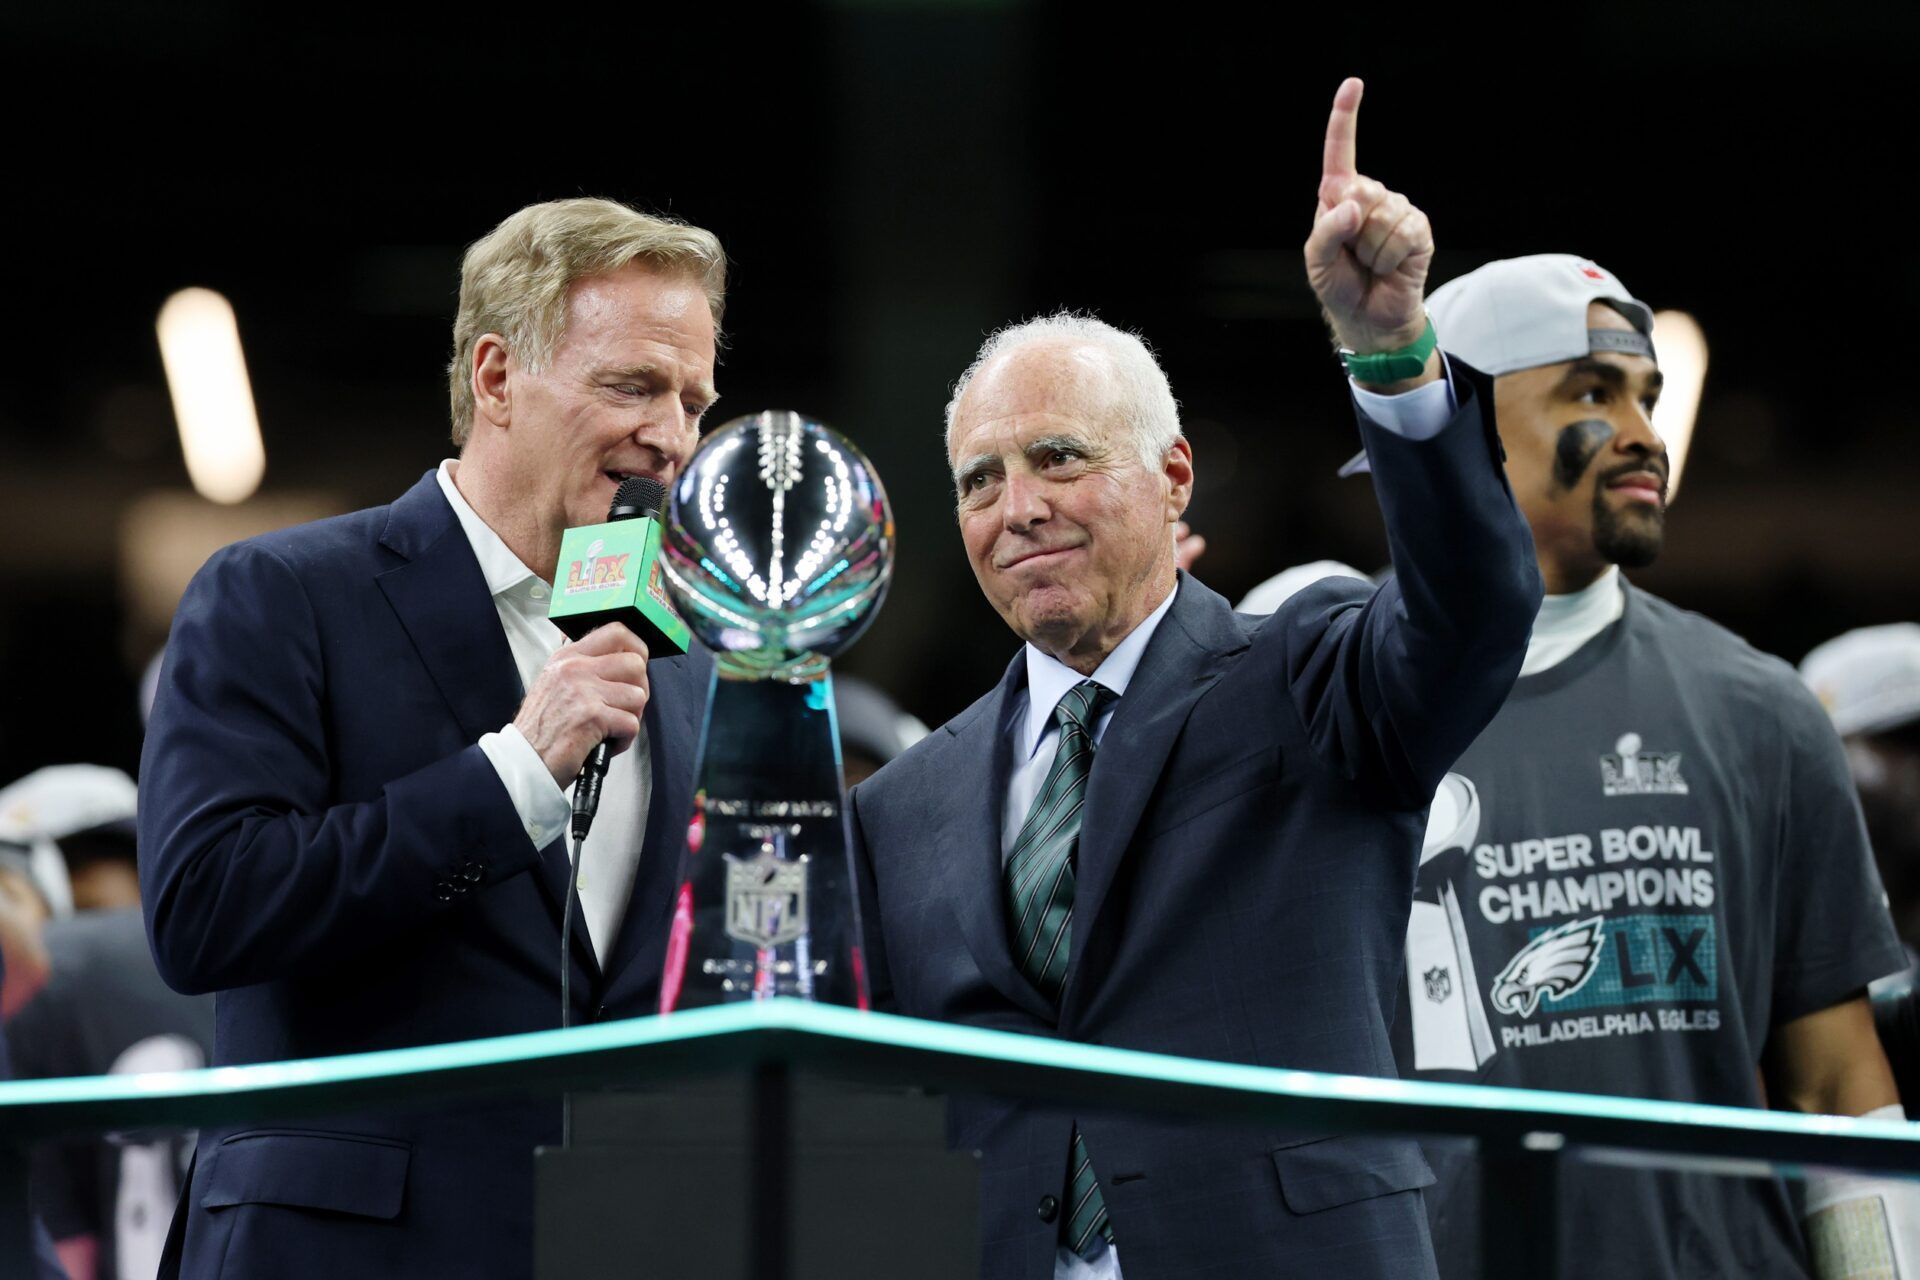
[(1384, 367)]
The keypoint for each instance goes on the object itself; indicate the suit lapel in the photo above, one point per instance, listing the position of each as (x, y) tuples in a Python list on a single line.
[(675, 709), (441, 599), (1184, 658), (972, 777)]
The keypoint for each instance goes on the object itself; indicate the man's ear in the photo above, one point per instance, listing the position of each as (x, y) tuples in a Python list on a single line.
[(1177, 466), (491, 398)]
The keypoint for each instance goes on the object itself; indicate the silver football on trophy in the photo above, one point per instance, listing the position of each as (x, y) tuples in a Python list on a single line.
[(779, 543)]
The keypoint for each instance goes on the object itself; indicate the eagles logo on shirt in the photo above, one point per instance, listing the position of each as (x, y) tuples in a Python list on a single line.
[(1557, 963)]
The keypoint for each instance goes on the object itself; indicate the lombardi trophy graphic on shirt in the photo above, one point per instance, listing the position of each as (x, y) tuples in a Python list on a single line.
[(778, 551), (1632, 771), (1450, 1029)]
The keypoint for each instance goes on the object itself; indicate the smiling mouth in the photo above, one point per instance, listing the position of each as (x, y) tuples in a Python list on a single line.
[(1032, 556), (1640, 486)]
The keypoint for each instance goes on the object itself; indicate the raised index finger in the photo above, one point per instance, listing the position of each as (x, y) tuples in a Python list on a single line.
[(1337, 161)]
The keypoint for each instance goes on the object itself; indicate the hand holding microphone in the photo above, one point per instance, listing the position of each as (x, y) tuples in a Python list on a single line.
[(609, 597), (592, 691)]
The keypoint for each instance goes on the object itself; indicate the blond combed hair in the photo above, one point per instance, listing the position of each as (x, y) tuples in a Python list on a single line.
[(514, 282)]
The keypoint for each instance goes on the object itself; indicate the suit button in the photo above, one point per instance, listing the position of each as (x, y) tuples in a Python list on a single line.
[(1049, 1208), (600, 1013), (443, 890), (471, 871)]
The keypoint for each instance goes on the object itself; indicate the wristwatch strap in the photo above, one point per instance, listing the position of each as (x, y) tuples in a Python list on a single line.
[(1384, 367)]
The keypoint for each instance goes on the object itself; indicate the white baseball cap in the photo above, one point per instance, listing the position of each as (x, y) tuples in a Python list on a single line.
[(1520, 313), (1869, 679), (47, 806), (1275, 591)]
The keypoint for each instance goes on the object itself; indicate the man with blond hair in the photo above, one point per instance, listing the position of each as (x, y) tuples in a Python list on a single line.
[(354, 787)]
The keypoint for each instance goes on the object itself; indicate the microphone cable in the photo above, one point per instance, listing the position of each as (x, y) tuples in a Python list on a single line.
[(638, 496), (577, 844)]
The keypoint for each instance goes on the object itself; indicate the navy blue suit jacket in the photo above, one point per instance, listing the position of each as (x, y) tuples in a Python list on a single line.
[(1246, 868), (323, 844)]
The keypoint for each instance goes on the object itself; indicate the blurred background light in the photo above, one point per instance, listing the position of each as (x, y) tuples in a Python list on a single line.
[(212, 399), (1682, 348), (165, 535)]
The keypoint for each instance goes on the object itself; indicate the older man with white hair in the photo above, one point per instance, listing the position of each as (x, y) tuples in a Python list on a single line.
[(1173, 828)]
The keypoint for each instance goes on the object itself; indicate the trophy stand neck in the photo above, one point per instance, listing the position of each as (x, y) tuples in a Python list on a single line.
[(789, 668)]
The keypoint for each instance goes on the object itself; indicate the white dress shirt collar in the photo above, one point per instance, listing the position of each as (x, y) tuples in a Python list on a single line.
[(502, 569), (1049, 679)]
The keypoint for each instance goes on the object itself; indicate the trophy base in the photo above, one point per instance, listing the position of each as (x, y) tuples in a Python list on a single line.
[(766, 905)]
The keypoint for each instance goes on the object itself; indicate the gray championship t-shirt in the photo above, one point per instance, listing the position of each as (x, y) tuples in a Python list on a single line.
[(1650, 859)]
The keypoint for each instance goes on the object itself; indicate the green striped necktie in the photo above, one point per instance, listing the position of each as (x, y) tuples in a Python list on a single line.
[(1039, 875)]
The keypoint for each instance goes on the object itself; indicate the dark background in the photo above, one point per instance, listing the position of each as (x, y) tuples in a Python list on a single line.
[(894, 179)]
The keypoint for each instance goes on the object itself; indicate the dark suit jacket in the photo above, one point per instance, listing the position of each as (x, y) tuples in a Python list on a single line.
[(323, 844), (1246, 867)]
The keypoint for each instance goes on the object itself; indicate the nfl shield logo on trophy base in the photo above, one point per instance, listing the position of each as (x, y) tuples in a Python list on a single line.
[(766, 898)]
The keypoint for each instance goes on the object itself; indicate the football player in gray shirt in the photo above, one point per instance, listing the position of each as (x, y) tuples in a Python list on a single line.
[(1648, 876)]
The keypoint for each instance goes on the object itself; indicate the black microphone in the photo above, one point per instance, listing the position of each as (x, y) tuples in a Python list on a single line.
[(638, 498)]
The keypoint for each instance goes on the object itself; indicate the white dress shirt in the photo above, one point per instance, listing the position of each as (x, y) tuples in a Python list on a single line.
[(1419, 414), (1036, 735), (611, 856)]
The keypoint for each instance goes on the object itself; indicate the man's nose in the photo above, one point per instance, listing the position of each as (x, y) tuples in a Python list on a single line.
[(664, 421), (671, 413), (1636, 434), (1023, 502)]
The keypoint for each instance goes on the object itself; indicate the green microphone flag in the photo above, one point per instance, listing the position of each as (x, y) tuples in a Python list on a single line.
[(611, 573)]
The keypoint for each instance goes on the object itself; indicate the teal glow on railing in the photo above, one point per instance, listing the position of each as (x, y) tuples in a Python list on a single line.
[(835, 1027)]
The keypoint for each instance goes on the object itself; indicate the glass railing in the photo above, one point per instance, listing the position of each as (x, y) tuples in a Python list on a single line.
[(1523, 1135)]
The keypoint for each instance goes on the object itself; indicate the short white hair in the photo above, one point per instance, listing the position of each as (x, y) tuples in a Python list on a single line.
[(1141, 393)]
